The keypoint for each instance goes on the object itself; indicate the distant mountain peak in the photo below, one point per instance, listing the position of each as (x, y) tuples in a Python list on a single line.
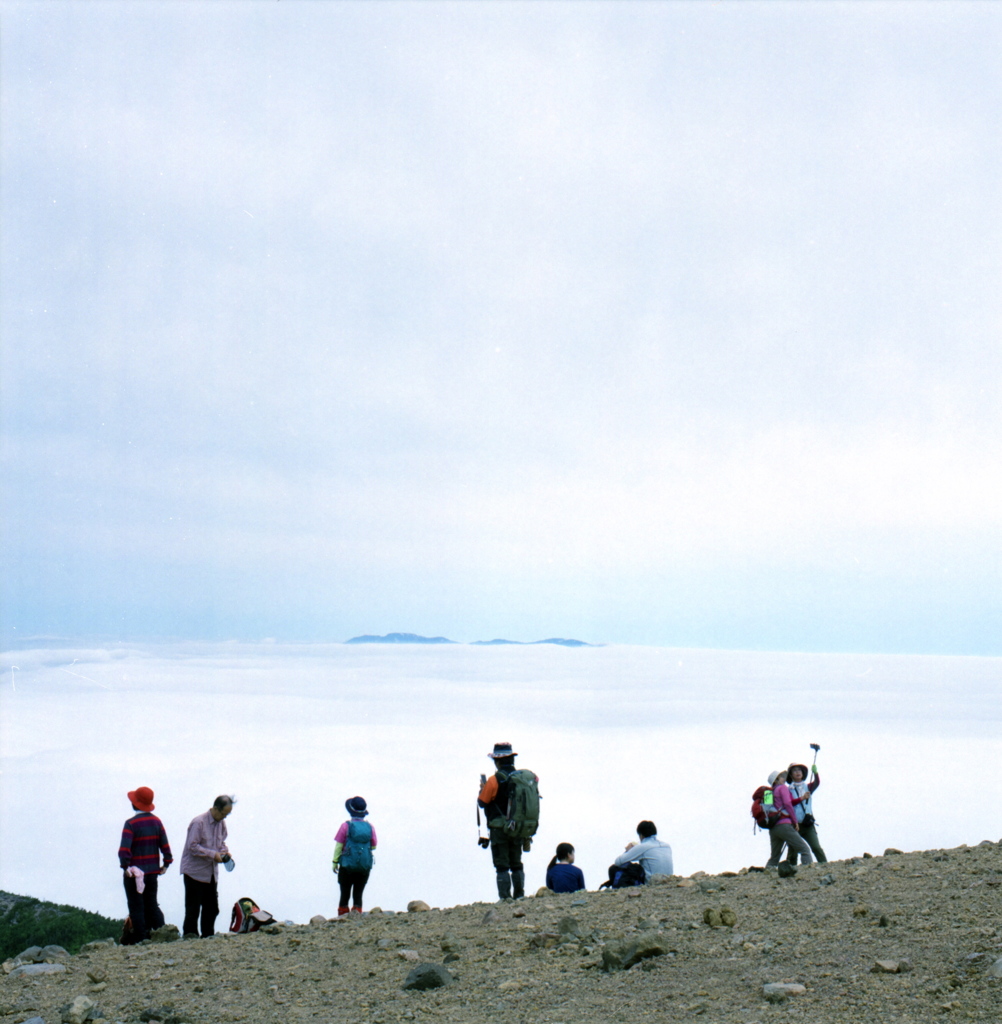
[(399, 638)]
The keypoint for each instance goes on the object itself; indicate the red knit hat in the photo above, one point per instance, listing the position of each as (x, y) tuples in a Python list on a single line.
[(142, 798)]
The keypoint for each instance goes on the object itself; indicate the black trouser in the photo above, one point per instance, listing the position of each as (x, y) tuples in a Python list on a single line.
[(143, 907), (507, 856), (352, 883), (200, 897)]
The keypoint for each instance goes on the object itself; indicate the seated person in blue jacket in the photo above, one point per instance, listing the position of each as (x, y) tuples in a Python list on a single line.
[(562, 875), (639, 861)]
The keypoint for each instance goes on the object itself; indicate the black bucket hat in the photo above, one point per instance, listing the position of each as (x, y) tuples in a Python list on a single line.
[(356, 807)]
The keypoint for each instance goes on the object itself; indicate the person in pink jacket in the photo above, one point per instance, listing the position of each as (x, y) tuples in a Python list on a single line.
[(785, 832)]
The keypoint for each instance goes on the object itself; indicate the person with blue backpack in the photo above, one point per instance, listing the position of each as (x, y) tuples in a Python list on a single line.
[(353, 860)]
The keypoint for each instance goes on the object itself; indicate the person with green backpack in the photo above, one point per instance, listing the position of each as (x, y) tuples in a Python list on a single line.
[(353, 860), (511, 799)]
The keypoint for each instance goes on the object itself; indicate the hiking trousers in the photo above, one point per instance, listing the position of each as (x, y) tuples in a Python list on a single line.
[(780, 834), (143, 907), (809, 834), (352, 883), (507, 856), (200, 898)]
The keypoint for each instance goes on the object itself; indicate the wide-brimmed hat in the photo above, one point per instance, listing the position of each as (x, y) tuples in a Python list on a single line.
[(773, 776), (803, 771), (142, 798), (501, 751), (356, 807)]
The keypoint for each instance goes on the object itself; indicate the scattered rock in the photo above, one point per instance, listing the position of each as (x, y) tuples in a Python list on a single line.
[(659, 879), (778, 991), (168, 933), (891, 851), (727, 917), (35, 1020), (712, 917), (995, 971), (624, 955), (543, 891), (886, 967), (318, 919), (828, 879), (97, 944), (97, 975), (36, 969), (31, 955), (860, 911), (518, 912), (491, 915), (427, 976), (79, 1010), (450, 958), (569, 926), (786, 869), (417, 907), (450, 944), (409, 954)]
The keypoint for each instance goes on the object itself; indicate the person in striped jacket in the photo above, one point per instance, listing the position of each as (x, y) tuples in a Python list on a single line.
[(143, 840)]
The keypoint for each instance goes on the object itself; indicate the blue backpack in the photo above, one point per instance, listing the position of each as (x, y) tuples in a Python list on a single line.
[(357, 852)]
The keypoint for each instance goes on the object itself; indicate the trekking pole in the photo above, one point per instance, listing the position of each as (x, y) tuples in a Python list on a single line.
[(481, 840)]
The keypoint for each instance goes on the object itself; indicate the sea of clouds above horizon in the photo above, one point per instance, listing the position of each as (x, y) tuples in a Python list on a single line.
[(616, 734)]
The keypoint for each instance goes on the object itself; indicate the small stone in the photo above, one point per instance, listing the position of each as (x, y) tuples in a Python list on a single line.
[(518, 912), (860, 911), (543, 891), (409, 954), (786, 869), (35, 1020), (886, 967), (93, 947), (727, 917), (579, 903), (376, 910), (450, 958), (569, 926), (427, 976), (97, 974), (417, 907), (385, 944), (995, 971), (318, 919), (778, 991), (884, 921), (450, 944), (659, 879), (99, 987), (634, 893), (510, 986), (31, 955), (867, 856), (711, 917), (686, 883), (77, 1011), (891, 851), (827, 880), (50, 954)]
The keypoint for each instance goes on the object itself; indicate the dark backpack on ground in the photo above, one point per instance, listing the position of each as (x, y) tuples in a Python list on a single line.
[(624, 877), (357, 852), (763, 810)]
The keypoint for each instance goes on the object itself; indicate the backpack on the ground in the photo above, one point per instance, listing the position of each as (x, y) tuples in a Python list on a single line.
[(522, 818), (625, 876), (248, 916), (763, 810), (357, 852)]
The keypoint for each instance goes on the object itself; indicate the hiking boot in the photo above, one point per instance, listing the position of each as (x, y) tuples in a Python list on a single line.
[(518, 881), (356, 910), (504, 885), (341, 911)]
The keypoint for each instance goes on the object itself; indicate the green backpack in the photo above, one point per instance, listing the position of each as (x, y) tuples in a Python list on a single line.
[(522, 819)]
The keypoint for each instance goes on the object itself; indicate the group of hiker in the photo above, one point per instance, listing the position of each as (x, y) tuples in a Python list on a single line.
[(144, 840), (510, 801)]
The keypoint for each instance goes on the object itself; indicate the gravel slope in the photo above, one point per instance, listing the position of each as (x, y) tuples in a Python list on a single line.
[(933, 915)]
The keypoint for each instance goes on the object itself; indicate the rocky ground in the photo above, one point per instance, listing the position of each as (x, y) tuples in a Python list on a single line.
[(908, 937)]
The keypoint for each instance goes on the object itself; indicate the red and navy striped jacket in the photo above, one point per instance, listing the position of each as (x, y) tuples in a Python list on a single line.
[(142, 840)]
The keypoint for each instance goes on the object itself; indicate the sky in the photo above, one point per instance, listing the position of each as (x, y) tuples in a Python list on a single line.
[(667, 324)]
